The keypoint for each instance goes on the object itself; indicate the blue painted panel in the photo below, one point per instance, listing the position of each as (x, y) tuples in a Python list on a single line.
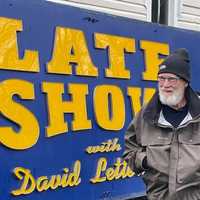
[(50, 155)]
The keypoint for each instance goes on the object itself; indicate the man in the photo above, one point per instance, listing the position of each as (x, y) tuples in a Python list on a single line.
[(163, 142)]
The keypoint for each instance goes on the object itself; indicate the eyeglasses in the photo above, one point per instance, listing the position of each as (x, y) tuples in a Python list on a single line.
[(171, 80)]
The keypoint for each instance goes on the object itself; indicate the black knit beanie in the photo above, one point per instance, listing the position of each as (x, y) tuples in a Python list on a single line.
[(177, 63)]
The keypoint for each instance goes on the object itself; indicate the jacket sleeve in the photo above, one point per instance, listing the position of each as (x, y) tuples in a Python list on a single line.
[(134, 153)]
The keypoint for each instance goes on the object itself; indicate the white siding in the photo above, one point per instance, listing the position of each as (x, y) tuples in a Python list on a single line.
[(188, 14), (136, 9)]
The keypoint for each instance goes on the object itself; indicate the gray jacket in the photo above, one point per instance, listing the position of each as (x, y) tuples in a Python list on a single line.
[(173, 154)]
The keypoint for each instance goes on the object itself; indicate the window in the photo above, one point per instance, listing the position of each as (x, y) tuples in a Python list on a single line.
[(160, 11)]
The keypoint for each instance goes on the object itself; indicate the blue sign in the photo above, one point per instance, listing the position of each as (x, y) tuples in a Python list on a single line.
[(71, 80)]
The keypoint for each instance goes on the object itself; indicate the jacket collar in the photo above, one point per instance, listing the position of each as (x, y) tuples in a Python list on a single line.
[(153, 108)]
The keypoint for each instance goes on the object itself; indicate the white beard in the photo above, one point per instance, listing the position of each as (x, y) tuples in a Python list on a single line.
[(172, 100)]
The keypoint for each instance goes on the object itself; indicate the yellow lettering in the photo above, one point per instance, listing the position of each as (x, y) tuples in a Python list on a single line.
[(44, 183), (64, 182), (70, 47), (28, 184), (108, 146), (130, 173), (101, 166), (54, 182), (9, 56), (110, 174), (74, 179), (148, 93), (122, 170), (135, 96), (152, 60), (28, 133), (119, 171), (57, 107), (113, 120), (116, 46)]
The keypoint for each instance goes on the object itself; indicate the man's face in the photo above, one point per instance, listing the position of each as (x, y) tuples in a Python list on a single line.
[(171, 89)]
